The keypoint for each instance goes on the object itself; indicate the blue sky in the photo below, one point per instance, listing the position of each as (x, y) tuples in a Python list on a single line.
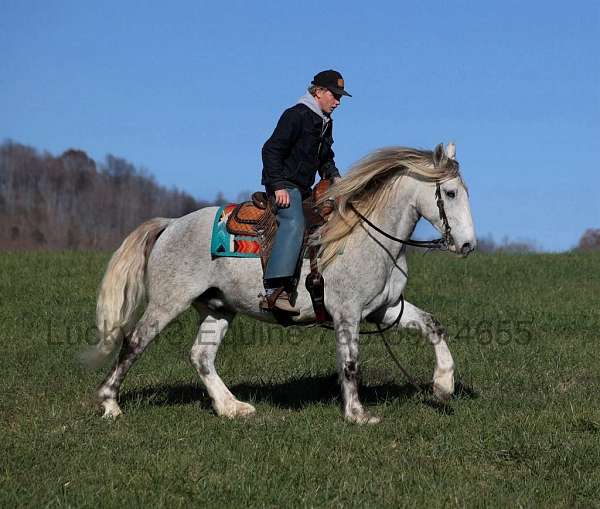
[(191, 91)]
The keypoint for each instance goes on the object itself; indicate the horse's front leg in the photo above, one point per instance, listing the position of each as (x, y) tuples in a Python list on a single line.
[(428, 326), (346, 332)]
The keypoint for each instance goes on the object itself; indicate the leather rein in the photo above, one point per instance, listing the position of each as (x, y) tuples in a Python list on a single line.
[(441, 243)]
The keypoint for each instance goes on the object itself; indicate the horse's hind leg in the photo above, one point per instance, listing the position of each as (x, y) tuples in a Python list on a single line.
[(213, 328), (426, 324), (153, 320)]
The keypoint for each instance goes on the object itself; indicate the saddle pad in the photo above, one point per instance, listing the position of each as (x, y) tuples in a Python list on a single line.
[(224, 243)]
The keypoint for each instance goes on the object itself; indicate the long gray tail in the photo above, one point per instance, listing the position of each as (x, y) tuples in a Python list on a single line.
[(123, 290)]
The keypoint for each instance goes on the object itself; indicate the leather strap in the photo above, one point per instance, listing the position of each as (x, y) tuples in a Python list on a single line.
[(316, 286)]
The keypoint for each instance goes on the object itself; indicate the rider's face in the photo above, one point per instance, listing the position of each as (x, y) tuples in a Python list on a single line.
[(327, 100)]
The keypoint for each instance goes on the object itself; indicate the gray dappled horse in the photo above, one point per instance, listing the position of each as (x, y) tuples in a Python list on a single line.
[(365, 274)]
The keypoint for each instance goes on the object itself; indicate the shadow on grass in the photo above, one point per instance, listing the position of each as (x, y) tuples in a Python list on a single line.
[(295, 393)]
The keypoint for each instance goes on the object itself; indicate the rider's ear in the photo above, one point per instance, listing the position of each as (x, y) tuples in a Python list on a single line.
[(439, 156), (451, 150)]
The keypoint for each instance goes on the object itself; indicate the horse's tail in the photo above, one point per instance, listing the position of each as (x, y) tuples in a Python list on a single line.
[(123, 290)]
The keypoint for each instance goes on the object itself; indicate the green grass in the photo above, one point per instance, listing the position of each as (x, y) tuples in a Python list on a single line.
[(523, 429)]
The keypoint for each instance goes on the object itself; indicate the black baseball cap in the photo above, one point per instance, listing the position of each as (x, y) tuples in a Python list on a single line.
[(331, 80)]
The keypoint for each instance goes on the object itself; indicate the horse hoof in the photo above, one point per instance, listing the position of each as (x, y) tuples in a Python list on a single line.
[(372, 419), (244, 409), (111, 409), (236, 409), (441, 394), (363, 418)]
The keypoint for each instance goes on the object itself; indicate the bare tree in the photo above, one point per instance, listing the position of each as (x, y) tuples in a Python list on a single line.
[(71, 202)]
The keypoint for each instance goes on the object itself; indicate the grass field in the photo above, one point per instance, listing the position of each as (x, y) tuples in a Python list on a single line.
[(522, 430)]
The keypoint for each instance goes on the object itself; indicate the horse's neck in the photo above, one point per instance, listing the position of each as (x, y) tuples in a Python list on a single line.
[(398, 218)]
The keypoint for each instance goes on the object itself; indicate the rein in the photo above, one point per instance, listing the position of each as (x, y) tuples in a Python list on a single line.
[(441, 243), (379, 329)]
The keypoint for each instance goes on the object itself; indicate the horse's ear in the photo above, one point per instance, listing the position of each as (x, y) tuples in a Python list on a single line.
[(451, 150), (439, 156)]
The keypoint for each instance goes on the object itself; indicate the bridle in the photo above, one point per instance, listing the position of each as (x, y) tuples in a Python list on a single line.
[(442, 243)]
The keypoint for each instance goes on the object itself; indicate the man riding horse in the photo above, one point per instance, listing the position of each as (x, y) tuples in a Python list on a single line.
[(299, 147)]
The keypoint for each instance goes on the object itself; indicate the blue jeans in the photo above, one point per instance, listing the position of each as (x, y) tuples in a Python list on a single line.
[(288, 239)]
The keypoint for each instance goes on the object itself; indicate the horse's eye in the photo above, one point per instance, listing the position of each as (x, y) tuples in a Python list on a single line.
[(450, 194)]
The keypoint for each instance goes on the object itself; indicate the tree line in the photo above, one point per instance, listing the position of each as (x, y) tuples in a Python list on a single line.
[(72, 202)]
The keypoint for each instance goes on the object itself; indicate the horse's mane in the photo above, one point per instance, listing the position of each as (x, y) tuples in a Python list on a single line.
[(368, 184)]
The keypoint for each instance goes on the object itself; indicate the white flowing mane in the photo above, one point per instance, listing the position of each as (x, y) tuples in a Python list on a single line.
[(368, 184)]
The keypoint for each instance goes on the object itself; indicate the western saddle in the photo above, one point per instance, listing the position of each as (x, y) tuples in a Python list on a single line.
[(257, 218)]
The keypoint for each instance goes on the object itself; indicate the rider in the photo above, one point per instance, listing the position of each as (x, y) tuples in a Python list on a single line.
[(299, 147)]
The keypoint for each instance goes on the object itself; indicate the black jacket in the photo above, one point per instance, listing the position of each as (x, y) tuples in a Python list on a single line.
[(297, 150)]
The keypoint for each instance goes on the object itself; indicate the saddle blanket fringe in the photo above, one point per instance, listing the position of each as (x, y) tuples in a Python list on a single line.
[(224, 243)]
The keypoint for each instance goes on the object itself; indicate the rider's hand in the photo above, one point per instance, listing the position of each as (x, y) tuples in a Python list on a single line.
[(282, 198)]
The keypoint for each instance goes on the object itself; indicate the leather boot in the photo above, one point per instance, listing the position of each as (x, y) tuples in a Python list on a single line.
[(278, 300)]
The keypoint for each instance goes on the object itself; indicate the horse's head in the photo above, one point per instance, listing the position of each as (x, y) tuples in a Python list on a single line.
[(451, 201), (396, 186)]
